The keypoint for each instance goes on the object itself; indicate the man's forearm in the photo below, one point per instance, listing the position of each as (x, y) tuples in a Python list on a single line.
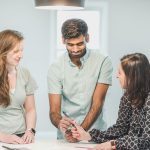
[(55, 118), (96, 105), (92, 115), (89, 120)]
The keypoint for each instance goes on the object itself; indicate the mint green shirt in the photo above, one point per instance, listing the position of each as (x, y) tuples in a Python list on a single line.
[(12, 118), (77, 85)]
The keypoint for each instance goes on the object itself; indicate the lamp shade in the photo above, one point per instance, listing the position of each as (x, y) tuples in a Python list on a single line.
[(60, 4)]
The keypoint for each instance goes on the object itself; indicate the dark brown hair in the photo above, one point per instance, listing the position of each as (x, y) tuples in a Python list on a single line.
[(8, 40), (137, 71), (73, 28)]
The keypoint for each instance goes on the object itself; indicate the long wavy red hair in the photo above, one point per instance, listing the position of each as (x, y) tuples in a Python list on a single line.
[(8, 40)]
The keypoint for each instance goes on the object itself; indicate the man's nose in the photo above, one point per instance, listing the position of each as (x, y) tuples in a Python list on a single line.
[(75, 48)]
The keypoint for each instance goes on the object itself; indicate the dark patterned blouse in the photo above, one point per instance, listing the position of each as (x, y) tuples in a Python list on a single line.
[(132, 128)]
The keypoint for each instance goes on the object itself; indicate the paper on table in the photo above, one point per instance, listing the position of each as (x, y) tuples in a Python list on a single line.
[(10, 148), (83, 148)]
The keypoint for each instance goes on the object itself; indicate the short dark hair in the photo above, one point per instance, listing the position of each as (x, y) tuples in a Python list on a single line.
[(73, 28), (137, 71)]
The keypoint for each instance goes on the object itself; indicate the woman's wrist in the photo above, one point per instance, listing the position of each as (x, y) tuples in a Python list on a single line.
[(1, 136), (32, 130), (88, 136), (113, 144)]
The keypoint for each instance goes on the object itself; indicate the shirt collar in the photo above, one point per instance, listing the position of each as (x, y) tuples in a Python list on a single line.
[(83, 59)]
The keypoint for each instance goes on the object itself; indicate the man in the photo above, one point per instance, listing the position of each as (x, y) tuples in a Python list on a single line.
[(78, 82)]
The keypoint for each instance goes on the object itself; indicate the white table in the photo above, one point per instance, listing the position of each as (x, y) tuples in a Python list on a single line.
[(51, 145)]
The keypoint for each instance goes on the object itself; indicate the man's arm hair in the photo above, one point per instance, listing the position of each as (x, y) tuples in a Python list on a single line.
[(55, 109), (96, 105)]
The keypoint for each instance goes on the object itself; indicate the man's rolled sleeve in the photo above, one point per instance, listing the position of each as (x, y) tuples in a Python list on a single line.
[(54, 80), (105, 75)]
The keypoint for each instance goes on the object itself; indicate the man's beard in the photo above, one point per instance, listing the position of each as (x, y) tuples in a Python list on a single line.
[(77, 54)]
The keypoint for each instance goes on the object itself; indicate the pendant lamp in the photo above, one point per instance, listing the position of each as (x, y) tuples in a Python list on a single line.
[(60, 4)]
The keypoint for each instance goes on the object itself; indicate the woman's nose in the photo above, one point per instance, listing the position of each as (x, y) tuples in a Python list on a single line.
[(20, 54), (117, 75)]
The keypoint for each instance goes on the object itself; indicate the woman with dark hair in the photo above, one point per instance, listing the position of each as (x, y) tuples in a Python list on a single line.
[(132, 128), (17, 105)]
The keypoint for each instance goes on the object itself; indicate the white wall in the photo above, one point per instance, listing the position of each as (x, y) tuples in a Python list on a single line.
[(34, 24), (128, 31)]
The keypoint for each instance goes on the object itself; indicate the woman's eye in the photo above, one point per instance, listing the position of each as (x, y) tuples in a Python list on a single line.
[(16, 51)]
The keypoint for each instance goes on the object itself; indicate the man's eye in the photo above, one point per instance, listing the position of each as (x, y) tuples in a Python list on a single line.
[(70, 44), (80, 44)]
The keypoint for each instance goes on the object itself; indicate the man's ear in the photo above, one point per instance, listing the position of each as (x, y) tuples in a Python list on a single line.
[(87, 38), (63, 40)]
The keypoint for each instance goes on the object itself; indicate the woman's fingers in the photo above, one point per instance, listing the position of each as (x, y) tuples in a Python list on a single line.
[(76, 135)]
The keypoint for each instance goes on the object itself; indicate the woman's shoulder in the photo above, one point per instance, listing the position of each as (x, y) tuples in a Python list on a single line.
[(23, 69), (23, 72), (147, 103), (125, 100)]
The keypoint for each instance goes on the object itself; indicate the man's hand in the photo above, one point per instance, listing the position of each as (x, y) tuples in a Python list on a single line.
[(69, 138), (64, 124)]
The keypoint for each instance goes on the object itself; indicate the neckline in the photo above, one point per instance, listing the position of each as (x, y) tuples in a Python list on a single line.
[(12, 90)]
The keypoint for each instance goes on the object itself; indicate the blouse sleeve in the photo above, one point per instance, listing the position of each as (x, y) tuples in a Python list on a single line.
[(135, 142), (119, 129), (30, 85)]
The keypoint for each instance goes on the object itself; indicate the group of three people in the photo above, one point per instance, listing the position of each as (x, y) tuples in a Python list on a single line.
[(77, 84)]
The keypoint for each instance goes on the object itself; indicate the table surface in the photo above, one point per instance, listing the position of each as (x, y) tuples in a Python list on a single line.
[(50, 145)]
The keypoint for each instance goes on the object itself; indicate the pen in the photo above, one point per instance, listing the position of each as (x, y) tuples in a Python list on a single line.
[(66, 114), (71, 125), (8, 148), (19, 148)]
